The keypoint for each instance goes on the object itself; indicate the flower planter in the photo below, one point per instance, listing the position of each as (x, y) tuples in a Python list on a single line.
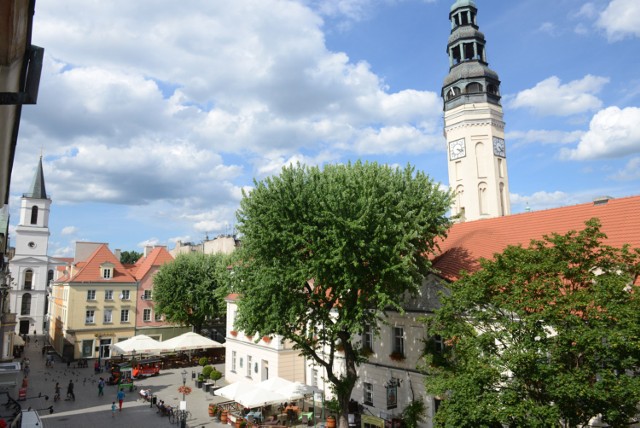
[(233, 333)]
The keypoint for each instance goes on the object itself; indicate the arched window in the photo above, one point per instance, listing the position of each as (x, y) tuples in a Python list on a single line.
[(49, 276), (460, 201), (474, 88), (26, 304), (28, 279), (480, 161), (453, 92), (492, 89), (34, 215), (482, 197)]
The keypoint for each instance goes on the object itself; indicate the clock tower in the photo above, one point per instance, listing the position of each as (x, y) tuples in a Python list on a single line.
[(473, 122), (31, 268)]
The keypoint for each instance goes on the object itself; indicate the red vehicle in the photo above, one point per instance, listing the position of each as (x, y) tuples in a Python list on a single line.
[(147, 367)]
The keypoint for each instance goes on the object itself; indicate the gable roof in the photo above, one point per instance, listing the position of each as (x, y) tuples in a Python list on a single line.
[(467, 242), (89, 270), (158, 257)]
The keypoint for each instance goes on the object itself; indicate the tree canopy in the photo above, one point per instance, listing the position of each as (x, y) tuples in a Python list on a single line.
[(129, 257), (326, 251), (192, 288), (541, 336)]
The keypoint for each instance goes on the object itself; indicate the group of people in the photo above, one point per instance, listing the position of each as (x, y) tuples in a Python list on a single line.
[(164, 409)]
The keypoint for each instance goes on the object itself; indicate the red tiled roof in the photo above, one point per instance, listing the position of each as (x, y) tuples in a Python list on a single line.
[(158, 257), (468, 242), (89, 270)]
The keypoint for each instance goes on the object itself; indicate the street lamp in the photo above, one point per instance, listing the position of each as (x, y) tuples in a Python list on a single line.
[(183, 405)]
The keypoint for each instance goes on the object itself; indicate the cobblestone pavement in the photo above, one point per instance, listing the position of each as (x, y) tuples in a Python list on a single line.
[(92, 411)]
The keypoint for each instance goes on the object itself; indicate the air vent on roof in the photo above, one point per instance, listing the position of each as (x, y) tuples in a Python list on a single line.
[(601, 200)]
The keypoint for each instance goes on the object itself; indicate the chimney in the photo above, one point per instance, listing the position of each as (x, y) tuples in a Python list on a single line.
[(147, 250), (601, 200), (117, 253)]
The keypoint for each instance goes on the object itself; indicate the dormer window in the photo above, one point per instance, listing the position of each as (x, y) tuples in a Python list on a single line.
[(106, 270)]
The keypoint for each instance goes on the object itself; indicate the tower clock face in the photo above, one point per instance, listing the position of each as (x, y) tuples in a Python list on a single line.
[(457, 149), (498, 147)]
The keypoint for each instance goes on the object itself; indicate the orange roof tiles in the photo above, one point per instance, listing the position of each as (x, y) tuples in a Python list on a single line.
[(89, 270), (470, 241), (158, 257)]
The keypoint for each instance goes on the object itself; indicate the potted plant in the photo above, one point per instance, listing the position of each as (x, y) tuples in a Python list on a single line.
[(206, 371), (215, 376), (396, 356), (366, 351), (266, 339), (203, 361), (212, 410), (200, 380), (233, 333)]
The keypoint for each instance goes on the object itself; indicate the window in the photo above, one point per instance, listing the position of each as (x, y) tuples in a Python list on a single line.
[(146, 315), (125, 295), (91, 294), (368, 394), (25, 308), (248, 365), (90, 317), (49, 276), (28, 279), (34, 215), (106, 270), (398, 340), (146, 295), (233, 361), (367, 338), (87, 348), (108, 316), (474, 88), (158, 317), (124, 315), (108, 294)]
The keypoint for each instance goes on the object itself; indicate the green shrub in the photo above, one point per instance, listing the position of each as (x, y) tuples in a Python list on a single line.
[(206, 371), (203, 361), (215, 375)]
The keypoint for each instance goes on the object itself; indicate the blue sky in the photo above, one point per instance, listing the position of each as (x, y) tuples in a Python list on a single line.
[(153, 115)]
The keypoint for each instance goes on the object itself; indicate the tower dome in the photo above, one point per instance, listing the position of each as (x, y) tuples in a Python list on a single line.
[(463, 3)]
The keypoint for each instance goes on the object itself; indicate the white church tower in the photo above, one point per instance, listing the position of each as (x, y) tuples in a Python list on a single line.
[(473, 122), (30, 267)]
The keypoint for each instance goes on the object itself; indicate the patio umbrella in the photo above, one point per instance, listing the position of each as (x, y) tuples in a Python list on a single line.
[(290, 390), (236, 389), (259, 397), (141, 344), (189, 341)]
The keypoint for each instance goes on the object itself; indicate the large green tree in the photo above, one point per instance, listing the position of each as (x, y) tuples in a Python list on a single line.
[(191, 289), (129, 257), (326, 251), (542, 336)]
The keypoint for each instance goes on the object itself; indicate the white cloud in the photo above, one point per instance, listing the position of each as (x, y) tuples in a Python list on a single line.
[(550, 97), (548, 28), (631, 171), (541, 136), (613, 132), (151, 242), (542, 200), (69, 230), (588, 10), (621, 19)]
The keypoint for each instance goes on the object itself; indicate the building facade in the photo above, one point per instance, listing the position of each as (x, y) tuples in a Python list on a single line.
[(93, 304), (473, 122), (148, 321)]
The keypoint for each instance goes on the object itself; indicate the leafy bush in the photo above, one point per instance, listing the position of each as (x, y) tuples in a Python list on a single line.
[(203, 361), (206, 371), (215, 375)]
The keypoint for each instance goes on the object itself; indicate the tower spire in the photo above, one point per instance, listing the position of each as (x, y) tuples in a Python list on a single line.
[(37, 189)]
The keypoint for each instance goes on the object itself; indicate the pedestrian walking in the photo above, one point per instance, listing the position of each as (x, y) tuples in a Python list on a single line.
[(56, 396), (70, 394), (101, 387), (113, 409), (120, 397)]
